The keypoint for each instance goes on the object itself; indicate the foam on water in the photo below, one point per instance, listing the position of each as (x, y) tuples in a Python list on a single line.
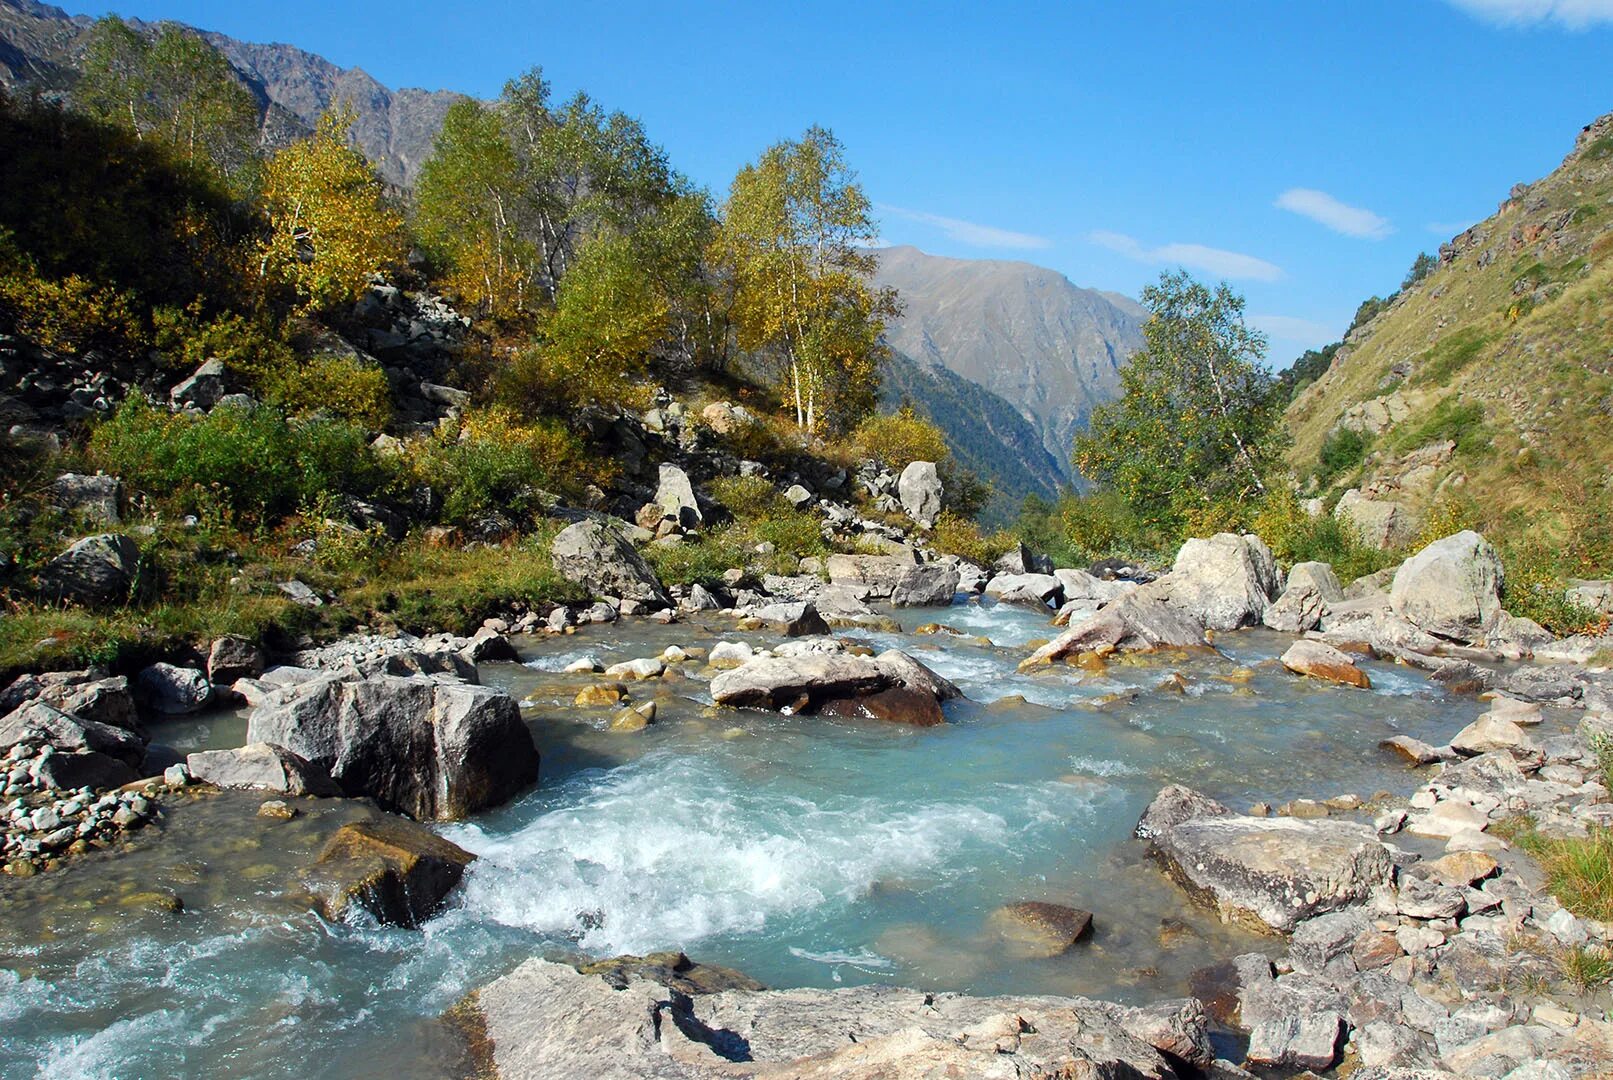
[(556, 662), (670, 850)]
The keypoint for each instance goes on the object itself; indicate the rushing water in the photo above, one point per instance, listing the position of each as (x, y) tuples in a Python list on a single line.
[(802, 851)]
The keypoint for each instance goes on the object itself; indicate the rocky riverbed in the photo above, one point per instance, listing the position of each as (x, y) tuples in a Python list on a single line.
[(1262, 854)]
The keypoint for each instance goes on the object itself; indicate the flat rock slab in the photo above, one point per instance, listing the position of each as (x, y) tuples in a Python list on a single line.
[(1266, 874), (1321, 661), (1040, 929)]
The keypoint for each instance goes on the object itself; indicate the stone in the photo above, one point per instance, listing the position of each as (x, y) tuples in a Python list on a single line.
[(1451, 588), (42, 724), (301, 594), (261, 765), (88, 695), (548, 1020), (95, 498), (1377, 523), (1463, 868), (896, 705), (230, 658), (1224, 582), (1492, 732), (1306, 1041), (799, 497), (645, 667), (597, 557), (1447, 819), (1421, 899), (1413, 750), (396, 870), (1040, 929), (1143, 620), (1022, 560), (202, 389), (730, 653), (172, 690), (600, 694), (877, 574), (1320, 661), (1032, 590), (797, 683), (95, 571), (926, 585), (430, 748), (489, 646), (1311, 587), (676, 497), (85, 768), (1266, 874), (794, 620), (1085, 585), (673, 970), (920, 490)]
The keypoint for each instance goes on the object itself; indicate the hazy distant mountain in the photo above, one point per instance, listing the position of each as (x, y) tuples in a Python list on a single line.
[(42, 46), (1027, 334)]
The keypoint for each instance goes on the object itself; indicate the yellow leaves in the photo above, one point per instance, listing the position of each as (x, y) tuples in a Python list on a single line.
[(330, 227)]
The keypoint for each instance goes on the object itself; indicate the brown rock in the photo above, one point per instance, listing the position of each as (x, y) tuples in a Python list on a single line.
[(1321, 661), (1374, 949), (393, 868), (1462, 868), (600, 694), (1042, 929), (897, 705)]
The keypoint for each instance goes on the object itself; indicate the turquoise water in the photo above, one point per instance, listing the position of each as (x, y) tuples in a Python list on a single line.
[(802, 851)]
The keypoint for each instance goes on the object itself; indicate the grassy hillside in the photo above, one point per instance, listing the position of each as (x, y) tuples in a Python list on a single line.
[(1505, 350)]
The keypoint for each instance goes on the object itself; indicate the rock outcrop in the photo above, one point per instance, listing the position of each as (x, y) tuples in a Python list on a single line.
[(1266, 874), (594, 555), (428, 747), (920, 490)]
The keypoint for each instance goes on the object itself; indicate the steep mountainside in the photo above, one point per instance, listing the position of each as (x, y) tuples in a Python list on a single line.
[(986, 434), (1491, 380), (1025, 333), (41, 46)]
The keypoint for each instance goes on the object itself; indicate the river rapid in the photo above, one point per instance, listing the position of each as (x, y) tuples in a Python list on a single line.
[(802, 851)]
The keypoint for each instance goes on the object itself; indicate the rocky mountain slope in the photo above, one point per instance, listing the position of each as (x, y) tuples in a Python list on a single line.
[(1027, 334), (41, 46), (1489, 383)]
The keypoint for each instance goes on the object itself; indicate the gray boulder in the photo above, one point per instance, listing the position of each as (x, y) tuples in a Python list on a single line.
[(95, 498), (803, 682), (1451, 588), (595, 556), (95, 571), (88, 695), (877, 574), (40, 723), (1031, 590), (1022, 560), (1266, 874), (799, 497), (202, 390), (1377, 523), (231, 658), (1226, 581), (920, 489), (428, 747), (1085, 585), (800, 619), (172, 690), (1311, 587), (261, 765), (675, 496), (546, 1020), (1142, 620), (926, 585)]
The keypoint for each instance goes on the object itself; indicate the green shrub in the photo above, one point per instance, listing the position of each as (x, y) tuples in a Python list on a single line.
[(1450, 420), (1342, 451), (341, 386), (900, 439), (1439, 365), (746, 497), (1101, 524), (955, 534), (1294, 537), (497, 463), (71, 315), (700, 561), (255, 462)]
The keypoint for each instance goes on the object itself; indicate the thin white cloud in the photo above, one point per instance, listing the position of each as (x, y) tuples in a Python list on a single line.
[(1568, 14), (969, 232), (1304, 333), (1226, 264), (1324, 209)]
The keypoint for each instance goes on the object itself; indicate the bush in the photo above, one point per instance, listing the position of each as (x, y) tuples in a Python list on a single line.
[(1101, 524), (496, 463), (1439, 365), (342, 386), (256, 463), (702, 561), (1342, 451), (1294, 537), (1453, 421), (746, 497), (955, 534), (900, 439), (72, 315)]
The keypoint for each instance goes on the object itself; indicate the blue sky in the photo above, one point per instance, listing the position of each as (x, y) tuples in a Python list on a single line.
[(1306, 151)]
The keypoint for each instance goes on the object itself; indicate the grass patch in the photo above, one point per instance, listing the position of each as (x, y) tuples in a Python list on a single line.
[(1440, 364), (1579, 873), (1451, 420), (1585, 967), (1342, 452)]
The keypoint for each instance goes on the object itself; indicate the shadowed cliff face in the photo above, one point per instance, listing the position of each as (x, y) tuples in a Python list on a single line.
[(41, 47), (1027, 334)]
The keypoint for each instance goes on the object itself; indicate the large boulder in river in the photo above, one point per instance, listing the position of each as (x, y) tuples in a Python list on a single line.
[(1266, 874), (173, 690), (1142, 620), (594, 555), (1029, 590), (920, 489), (800, 619), (43, 724), (1311, 587), (1451, 588), (1022, 560), (430, 748), (926, 585), (546, 1020), (261, 766), (396, 870), (95, 571), (802, 683), (1226, 581)]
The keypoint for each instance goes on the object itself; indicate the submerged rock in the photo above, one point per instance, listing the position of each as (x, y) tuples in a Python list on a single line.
[(433, 749), (1042, 929), (396, 870), (1267, 874)]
